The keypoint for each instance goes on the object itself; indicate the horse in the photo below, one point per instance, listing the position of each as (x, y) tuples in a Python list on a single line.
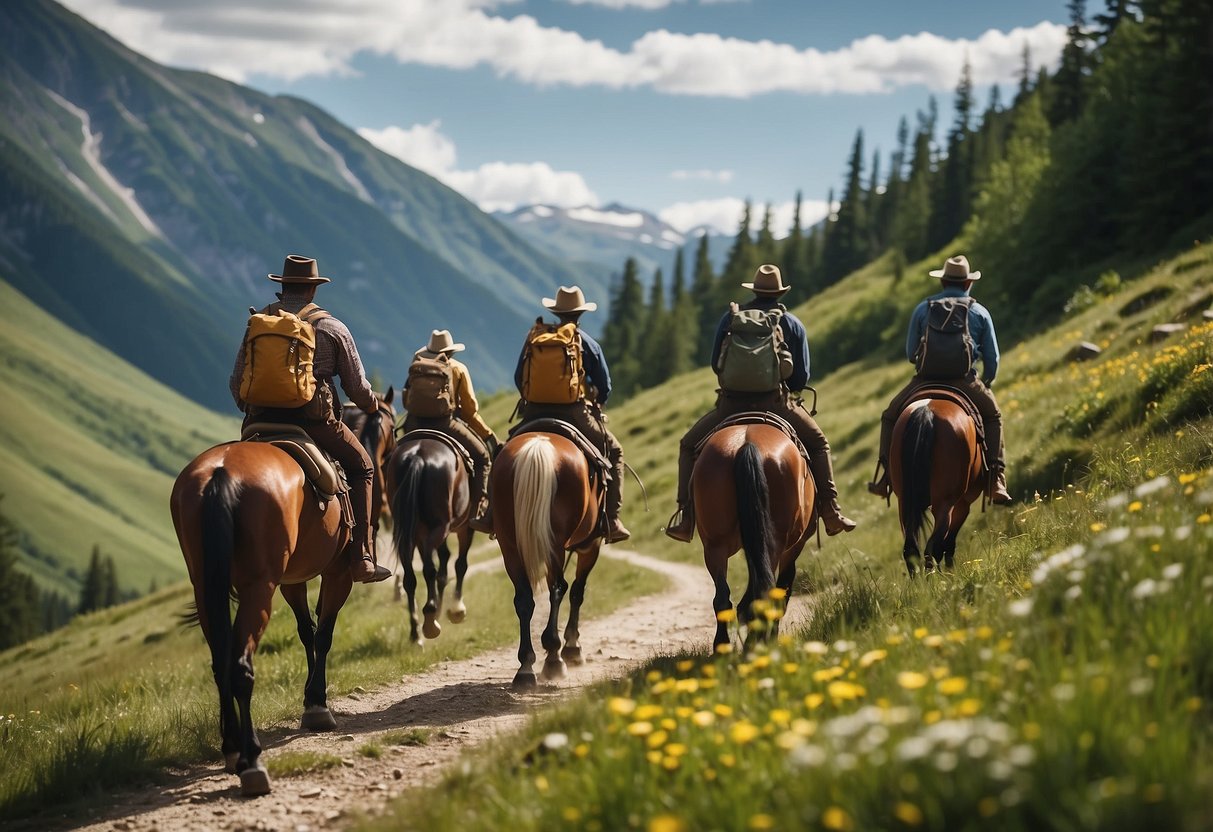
[(377, 433), (936, 464), (248, 521), (429, 492), (546, 506), (752, 491)]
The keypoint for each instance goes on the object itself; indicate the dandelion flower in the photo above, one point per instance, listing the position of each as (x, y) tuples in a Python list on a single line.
[(871, 657), (703, 719), (726, 616), (910, 680), (837, 819), (953, 685), (640, 729), (845, 690), (667, 823), (742, 733), (620, 705)]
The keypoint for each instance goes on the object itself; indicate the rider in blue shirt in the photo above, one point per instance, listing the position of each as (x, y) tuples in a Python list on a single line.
[(957, 281)]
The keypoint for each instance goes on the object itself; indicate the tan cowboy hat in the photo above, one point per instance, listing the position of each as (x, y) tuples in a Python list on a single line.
[(956, 268), (441, 341), (299, 270), (569, 299), (767, 281)]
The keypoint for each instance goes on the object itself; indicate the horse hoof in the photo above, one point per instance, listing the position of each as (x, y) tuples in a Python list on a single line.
[(457, 613), (229, 762), (572, 655), (553, 670), (255, 781), (317, 718), (525, 680), (431, 628)]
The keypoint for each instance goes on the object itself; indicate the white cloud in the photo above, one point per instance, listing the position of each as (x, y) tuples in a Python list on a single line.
[(234, 40), (625, 4), (494, 186), (723, 215), (703, 175)]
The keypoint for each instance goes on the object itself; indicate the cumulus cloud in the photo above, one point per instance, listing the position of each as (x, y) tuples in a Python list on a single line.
[(230, 38), (723, 215), (494, 186), (703, 175)]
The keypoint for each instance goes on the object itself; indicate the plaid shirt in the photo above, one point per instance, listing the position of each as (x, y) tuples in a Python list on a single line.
[(336, 354)]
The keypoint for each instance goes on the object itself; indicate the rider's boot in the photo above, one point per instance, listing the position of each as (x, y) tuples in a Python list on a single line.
[(827, 494), (363, 568), (684, 529), (483, 521), (835, 521), (616, 531), (998, 494)]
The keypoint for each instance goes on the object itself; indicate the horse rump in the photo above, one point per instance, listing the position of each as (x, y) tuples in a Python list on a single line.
[(917, 446), (754, 519)]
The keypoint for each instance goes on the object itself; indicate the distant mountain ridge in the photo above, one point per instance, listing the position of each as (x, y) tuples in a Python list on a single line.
[(144, 205)]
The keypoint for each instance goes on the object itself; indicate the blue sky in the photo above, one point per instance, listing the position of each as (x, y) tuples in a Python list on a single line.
[(680, 107)]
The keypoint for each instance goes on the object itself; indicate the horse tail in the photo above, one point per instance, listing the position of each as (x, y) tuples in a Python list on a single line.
[(917, 444), (406, 505), (754, 519), (219, 499), (534, 490)]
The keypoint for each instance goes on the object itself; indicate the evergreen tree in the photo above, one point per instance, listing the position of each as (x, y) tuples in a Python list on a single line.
[(876, 240), (738, 267), (1025, 74), (764, 248), (792, 257), (703, 293), (624, 329), (1117, 10), (910, 224), (654, 353), (111, 594), (951, 207), (20, 601), (684, 324), (846, 248), (92, 592), (1069, 84)]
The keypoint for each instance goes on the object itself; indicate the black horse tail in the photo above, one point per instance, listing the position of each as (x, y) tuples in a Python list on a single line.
[(917, 444), (406, 505), (754, 519), (219, 499)]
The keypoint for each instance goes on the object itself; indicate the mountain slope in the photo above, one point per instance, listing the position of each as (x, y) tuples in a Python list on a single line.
[(89, 448), (198, 188)]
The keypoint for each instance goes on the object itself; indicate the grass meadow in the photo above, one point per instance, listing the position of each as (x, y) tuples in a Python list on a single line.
[(1060, 678)]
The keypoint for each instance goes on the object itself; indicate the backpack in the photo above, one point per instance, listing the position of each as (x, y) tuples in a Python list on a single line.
[(946, 349), (552, 368), (429, 392), (279, 351), (753, 357)]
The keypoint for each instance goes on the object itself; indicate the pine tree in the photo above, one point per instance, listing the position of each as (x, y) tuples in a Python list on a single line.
[(623, 331), (20, 601), (1117, 11), (951, 206), (1069, 83), (910, 224), (738, 266), (703, 293), (874, 199), (846, 247), (1025, 74), (653, 353), (792, 258), (684, 324), (764, 247), (92, 592), (111, 595)]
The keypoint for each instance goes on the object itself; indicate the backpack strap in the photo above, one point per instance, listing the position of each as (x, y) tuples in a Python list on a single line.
[(312, 313)]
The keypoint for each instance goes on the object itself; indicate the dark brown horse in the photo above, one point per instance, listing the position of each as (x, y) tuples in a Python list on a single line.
[(753, 492), (427, 485), (546, 506), (935, 464), (249, 522), (377, 433)]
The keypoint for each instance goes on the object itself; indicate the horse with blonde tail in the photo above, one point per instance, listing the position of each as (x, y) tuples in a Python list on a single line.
[(546, 508)]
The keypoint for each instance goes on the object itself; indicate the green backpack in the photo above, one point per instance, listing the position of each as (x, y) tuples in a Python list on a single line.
[(752, 356)]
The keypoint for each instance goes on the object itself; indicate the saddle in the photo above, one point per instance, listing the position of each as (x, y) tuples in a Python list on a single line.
[(323, 473), (461, 453), (600, 466), (957, 397), (758, 417)]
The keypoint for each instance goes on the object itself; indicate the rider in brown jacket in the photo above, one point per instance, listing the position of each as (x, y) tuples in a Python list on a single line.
[(336, 355)]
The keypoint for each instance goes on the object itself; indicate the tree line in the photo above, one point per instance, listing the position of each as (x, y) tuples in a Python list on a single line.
[(1109, 154)]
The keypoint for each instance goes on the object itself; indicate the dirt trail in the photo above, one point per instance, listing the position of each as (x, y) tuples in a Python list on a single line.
[(462, 704)]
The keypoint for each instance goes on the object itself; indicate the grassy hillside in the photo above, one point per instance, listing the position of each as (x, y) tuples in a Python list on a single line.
[(1060, 678), (89, 448)]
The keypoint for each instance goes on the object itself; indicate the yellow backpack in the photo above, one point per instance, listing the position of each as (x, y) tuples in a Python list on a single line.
[(552, 371), (279, 350)]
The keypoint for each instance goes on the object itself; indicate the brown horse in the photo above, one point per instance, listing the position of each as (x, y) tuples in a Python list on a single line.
[(249, 522), (752, 491), (935, 464), (546, 506), (427, 484), (377, 433)]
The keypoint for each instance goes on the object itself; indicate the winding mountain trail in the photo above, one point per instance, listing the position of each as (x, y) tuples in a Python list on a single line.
[(461, 703)]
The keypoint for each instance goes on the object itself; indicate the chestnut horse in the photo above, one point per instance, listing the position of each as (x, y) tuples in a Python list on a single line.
[(935, 463), (752, 491), (545, 506), (427, 485)]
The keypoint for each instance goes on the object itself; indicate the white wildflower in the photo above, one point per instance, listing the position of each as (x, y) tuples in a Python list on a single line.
[(1182, 532), (1116, 501), (1141, 685), (555, 741), (1155, 485), (1145, 588), (1113, 536), (1073, 593), (1173, 571), (1063, 692), (815, 648), (1150, 531), (946, 761), (914, 748), (807, 756), (1020, 608), (1021, 755)]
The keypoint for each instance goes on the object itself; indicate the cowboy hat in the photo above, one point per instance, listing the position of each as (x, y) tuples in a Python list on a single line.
[(956, 268), (441, 341), (767, 281), (569, 299), (299, 270)]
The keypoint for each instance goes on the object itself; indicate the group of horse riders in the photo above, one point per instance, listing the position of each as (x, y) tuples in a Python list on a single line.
[(336, 355)]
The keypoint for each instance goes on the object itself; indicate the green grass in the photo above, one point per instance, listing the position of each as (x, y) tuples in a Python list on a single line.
[(1061, 677), (121, 693), (299, 763)]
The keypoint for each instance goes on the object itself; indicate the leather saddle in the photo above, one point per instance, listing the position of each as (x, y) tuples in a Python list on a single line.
[(957, 397), (758, 417), (595, 457), (461, 453), (323, 472)]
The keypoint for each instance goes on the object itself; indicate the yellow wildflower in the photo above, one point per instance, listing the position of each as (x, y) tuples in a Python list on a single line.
[(571, 814), (657, 739), (910, 680), (920, 632), (723, 710), (828, 673), (667, 823), (620, 705), (761, 822), (777, 594), (837, 819), (640, 729), (845, 690), (872, 656), (647, 712), (1135, 505), (968, 707), (908, 813), (742, 733), (813, 701), (933, 641), (675, 749), (726, 616), (953, 685), (685, 665), (703, 718)]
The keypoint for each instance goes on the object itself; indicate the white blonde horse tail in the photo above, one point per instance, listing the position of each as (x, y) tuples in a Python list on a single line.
[(534, 490)]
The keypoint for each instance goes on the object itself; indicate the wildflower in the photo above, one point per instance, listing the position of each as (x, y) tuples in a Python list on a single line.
[(742, 733), (813, 701), (919, 632), (1020, 608), (685, 665), (984, 633), (871, 657), (726, 616), (647, 712), (667, 823), (675, 749), (728, 760), (657, 739), (808, 756), (555, 741), (969, 707), (1098, 527), (837, 819), (621, 706), (790, 667), (908, 813), (781, 716), (541, 783), (953, 685), (640, 729), (815, 648), (1185, 479), (777, 594), (845, 690), (1135, 506), (723, 649), (1145, 588), (581, 750), (828, 673), (703, 719), (1173, 571), (910, 680), (1148, 488), (761, 821), (1204, 518), (723, 710)]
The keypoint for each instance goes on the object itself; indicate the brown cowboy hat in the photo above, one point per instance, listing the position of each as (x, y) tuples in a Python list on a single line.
[(956, 268), (442, 342), (299, 271), (767, 281), (569, 299)]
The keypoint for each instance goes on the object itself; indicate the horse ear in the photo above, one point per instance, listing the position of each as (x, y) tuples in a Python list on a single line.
[(389, 395)]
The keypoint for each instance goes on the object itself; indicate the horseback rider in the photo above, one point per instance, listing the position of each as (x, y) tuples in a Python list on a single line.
[(461, 421), (583, 407), (335, 354), (780, 399), (957, 281)]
